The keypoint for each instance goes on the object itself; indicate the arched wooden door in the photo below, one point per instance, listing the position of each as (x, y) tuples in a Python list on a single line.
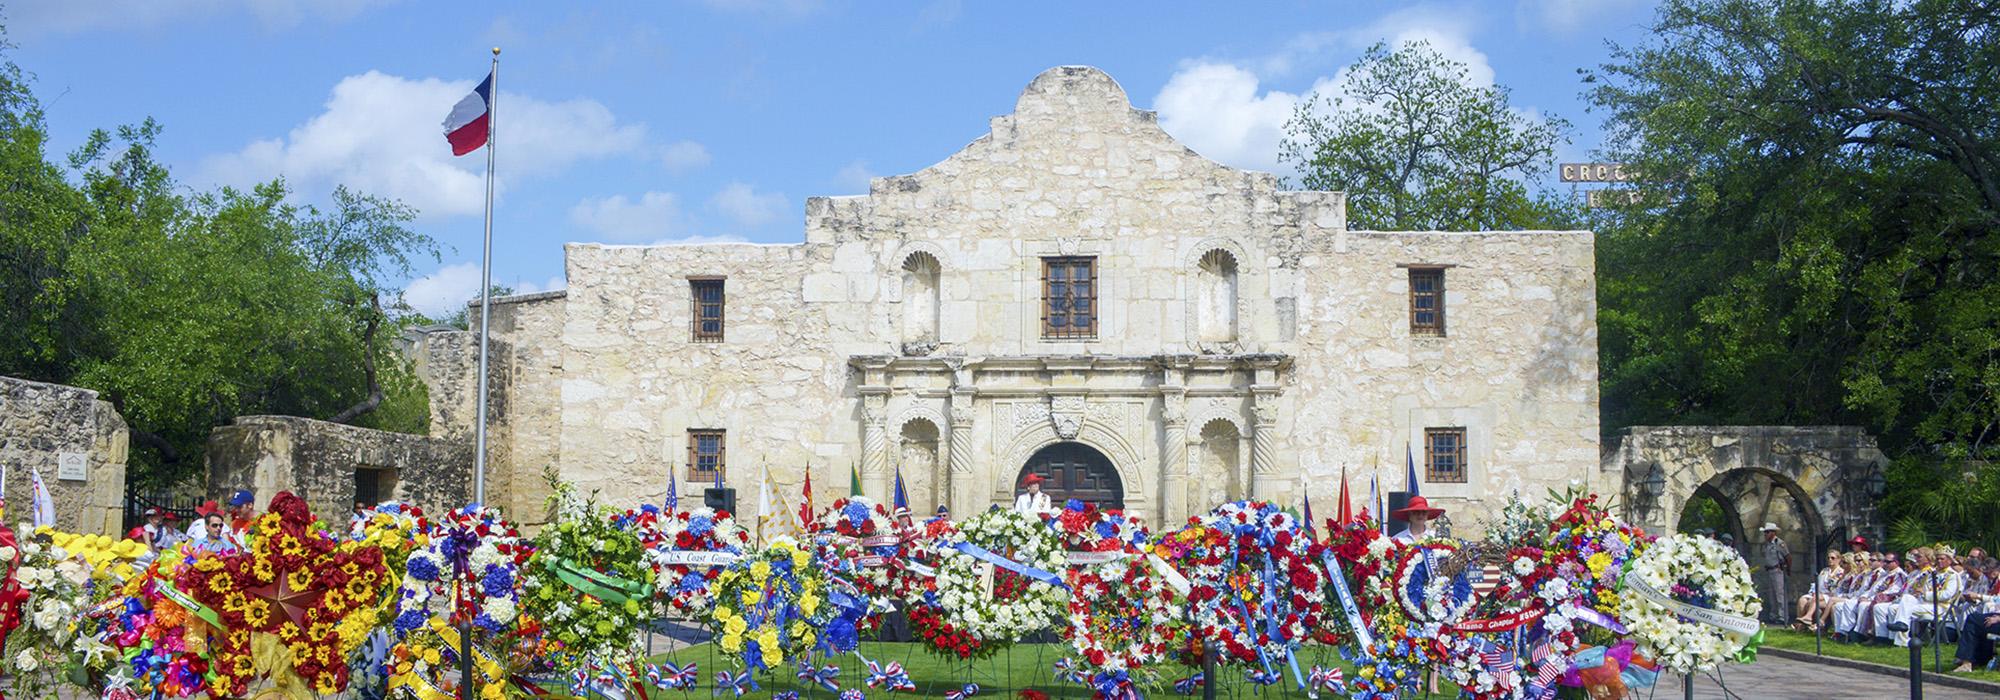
[(1074, 470)]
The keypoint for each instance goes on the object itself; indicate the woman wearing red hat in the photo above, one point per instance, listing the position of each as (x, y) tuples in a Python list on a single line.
[(1032, 501), (1419, 514)]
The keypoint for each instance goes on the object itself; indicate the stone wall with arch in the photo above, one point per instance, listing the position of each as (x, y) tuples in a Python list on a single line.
[(1810, 481)]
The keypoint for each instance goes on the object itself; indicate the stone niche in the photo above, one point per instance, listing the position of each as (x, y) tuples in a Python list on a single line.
[(333, 465), (76, 442)]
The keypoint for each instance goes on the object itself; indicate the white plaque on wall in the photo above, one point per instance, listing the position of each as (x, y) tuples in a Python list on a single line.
[(72, 466)]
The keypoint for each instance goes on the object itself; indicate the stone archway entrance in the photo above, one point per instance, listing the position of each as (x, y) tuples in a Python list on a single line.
[(1074, 470)]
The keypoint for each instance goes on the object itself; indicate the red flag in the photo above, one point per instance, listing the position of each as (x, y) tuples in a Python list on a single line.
[(1346, 512), (806, 507)]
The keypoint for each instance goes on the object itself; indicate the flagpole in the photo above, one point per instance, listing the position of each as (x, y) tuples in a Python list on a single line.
[(486, 288)]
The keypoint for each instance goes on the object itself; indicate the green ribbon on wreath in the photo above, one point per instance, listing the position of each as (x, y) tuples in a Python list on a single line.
[(600, 585), (207, 614), (1748, 653)]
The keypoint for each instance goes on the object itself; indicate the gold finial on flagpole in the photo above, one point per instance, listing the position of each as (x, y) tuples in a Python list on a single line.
[(496, 50)]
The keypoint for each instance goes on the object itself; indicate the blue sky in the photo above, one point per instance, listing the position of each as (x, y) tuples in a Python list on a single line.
[(712, 119)]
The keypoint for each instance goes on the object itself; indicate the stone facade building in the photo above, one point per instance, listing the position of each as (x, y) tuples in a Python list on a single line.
[(1074, 294)]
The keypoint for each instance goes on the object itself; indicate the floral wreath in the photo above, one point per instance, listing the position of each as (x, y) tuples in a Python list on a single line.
[(1256, 593), (687, 586), (303, 595), (1433, 583), (587, 585), (1692, 605), (773, 606), (425, 639), (979, 607), (858, 541), (1123, 617)]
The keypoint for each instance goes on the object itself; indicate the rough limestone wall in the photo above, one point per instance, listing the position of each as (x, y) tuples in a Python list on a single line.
[(1817, 461), (525, 433), (633, 384), (1075, 170), (448, 364), (316, 460), (1517, 367), (38, 423)]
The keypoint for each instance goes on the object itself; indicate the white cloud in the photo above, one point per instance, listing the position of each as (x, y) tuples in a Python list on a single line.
[(445, 291), (684, 156), (381, 134), (1569, 16), (1221, 109), (1216, 110), (853, 177), (654, 215), (73, 16), (746, 206), (553, 284)]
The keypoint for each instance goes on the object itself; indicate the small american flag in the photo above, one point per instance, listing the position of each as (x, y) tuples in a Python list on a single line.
[(1548, 667), (1499, 662)]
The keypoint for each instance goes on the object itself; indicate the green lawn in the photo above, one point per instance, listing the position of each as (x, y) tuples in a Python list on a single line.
[(1023, 667), (1898, 657)]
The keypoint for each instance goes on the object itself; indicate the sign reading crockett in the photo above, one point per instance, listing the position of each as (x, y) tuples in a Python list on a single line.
[(1595, 172)]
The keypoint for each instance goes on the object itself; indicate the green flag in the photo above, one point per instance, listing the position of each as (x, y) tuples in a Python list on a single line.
[(853, 481)]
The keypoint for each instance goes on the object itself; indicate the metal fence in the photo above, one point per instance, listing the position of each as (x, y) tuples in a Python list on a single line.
[(180, 504)]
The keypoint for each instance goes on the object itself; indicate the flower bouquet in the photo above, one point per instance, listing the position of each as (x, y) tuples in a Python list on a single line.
[(1255, 593), (1124, 618), (773, 606), (857, 540), (1690, 603), (995, 584), (467, 571), (686, 551), (587, 586), (45, 589), (286, 611)]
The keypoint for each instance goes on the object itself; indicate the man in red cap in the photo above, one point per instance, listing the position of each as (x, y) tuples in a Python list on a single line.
[(1858, 544), (1032, 501), (1419, 514)]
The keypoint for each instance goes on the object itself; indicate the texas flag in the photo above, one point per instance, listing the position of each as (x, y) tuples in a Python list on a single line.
[(466, 126)]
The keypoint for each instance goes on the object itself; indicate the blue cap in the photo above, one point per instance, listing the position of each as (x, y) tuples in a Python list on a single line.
[(242, 498)]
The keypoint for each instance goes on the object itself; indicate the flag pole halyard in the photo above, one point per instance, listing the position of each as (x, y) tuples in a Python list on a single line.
[(486, 288)]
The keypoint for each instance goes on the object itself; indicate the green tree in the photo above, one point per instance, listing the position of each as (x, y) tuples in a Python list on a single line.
[(1416, 146), (1819, 242), (186, 309)]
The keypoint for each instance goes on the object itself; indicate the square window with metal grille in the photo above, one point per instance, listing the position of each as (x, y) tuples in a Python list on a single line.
[(707, 299), (707, 455), (1444, 455), (1069, 297), (1427, 301)]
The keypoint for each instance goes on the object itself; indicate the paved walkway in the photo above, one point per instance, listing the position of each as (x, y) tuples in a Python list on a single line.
[(1773, 677)]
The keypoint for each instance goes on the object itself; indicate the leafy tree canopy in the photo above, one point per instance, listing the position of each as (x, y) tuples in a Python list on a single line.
[(186, 309), (1818, 244), (1416, 146)]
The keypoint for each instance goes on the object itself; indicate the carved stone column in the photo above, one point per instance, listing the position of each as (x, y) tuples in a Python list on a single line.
[(875, 442), (1264, 426), (1263, 443), (1174, 440), (957, 479)]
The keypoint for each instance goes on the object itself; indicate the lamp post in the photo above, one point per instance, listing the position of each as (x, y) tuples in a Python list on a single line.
[(1650, 490)]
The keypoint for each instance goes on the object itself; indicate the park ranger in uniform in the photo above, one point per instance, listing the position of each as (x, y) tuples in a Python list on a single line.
[(1776, 559)]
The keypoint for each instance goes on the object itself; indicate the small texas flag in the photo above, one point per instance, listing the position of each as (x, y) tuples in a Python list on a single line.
[(466, 126)]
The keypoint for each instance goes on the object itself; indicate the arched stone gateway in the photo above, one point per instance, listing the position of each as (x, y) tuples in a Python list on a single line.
[(1074, 470), (1813, 482)]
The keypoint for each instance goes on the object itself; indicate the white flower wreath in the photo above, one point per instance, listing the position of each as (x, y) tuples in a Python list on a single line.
[(1695, 571), (962, 579)]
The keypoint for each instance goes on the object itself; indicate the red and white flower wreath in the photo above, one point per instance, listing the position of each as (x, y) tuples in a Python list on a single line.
[(1123, 616)]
